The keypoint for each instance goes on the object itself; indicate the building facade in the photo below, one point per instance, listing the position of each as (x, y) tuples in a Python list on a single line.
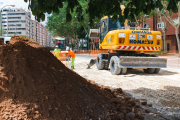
[(16, 21), (33, 30), (171, 41), (42, 34)]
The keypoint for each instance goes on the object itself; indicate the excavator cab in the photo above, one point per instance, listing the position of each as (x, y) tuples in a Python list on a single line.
[(106, 25)]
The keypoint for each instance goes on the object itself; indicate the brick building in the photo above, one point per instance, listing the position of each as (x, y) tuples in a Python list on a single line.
[(43, 35), (155, 24)]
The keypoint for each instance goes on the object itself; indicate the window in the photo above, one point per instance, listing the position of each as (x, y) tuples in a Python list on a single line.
[(14, 32), (176, 20), (4, 18), (19, 25), (146, 26), (14, 17), (159, 25), (17, 28), (4, 14), (23, 21), (5, 10), (104, 26)]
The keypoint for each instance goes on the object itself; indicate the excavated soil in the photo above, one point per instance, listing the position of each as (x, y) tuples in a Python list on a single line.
[(35, 85)]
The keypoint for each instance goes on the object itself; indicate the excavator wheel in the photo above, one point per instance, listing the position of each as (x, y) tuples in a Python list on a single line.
[(99, 62), (149, 70), (123, 71), (156, 69), (106, 65), (114, 66)]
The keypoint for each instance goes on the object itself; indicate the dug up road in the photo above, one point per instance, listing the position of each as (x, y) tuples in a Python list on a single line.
[(161, 90)]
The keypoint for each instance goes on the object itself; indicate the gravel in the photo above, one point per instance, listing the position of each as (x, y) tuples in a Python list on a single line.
[(161, 90)]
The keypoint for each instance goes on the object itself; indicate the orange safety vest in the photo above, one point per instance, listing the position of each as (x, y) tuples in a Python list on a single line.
[(71, 53)]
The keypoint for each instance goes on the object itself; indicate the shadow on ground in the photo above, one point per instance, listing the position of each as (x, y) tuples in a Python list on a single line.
[(141, 72)]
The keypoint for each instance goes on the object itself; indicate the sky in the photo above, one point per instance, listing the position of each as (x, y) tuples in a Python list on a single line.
[(19, 4)]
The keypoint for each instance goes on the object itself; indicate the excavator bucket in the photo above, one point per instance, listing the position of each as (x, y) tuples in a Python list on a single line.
[(142, 62), (94, 33), (92, 62)]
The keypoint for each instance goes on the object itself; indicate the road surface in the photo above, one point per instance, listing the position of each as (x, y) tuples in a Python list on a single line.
[(162, 89)]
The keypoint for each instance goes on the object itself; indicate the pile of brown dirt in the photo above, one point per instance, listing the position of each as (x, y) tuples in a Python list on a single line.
[(35, 85)]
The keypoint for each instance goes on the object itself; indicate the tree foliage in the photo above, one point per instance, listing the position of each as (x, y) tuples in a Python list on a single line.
[(58, 25), (99, 8), (3, 31), (168, 16)]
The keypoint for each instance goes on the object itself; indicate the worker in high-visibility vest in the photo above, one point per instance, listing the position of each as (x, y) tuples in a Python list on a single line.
[(72, 56), (56, 52)]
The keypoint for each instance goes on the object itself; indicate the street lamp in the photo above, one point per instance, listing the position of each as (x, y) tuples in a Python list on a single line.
[(1, 15)]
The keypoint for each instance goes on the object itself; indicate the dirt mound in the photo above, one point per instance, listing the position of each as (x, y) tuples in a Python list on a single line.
[(27, 41), (35, 85)]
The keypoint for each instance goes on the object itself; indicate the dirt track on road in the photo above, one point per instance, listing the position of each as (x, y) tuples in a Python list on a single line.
[(162, 89)]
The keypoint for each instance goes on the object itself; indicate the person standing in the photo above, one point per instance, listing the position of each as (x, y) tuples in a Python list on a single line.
[(56, 52), (72, 56)]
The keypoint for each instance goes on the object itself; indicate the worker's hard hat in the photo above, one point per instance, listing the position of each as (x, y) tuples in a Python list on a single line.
[(56, 45)]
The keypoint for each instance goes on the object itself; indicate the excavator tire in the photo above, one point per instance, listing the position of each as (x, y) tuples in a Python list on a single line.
[(99, 62), (156, 69), (149, 70), (123, 71), (106, 65), (114, 66)]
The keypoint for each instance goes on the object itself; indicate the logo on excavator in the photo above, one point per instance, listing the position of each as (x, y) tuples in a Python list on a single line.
[(140, 41), (145, 32)]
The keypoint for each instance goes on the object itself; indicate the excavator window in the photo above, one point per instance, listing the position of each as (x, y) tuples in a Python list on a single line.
[(115, 25), (104, 26), (104, 29)]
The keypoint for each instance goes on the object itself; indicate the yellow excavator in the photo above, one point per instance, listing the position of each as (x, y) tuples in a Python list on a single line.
[(128, 44)]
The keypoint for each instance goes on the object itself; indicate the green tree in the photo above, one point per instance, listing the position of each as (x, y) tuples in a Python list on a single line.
[(3, 31), (167, 13), (76, 29), (99, 8)]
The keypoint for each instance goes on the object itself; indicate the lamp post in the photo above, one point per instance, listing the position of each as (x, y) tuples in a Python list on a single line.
[(1, 15)]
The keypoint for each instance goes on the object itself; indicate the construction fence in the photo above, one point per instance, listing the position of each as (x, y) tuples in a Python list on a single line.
[(173, 58)]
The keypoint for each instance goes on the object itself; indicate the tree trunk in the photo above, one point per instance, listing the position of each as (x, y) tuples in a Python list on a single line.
[(143, 21), (82, 44), (164, 40), (177, 37), (71, 44), (77, 42), (94, 44), (164, 33)]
